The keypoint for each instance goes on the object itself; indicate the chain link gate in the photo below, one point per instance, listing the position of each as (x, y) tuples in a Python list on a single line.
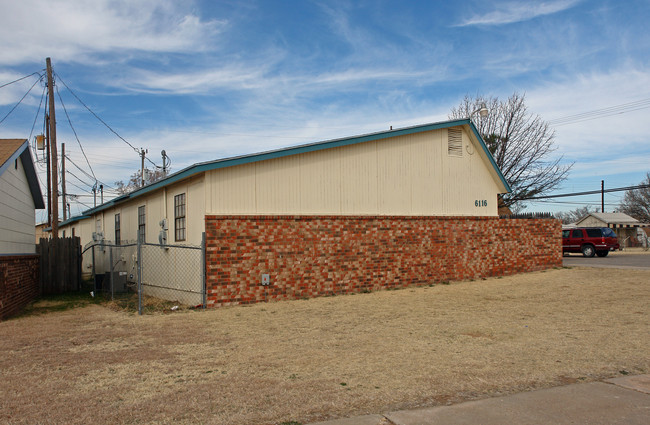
[(173, 273)]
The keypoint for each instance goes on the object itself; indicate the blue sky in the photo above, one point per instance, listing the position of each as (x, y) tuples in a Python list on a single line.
[(211, 79)]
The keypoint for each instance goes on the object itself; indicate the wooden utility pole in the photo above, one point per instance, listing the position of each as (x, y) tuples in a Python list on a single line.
[(49, 172), (63, 201), (55, 175)]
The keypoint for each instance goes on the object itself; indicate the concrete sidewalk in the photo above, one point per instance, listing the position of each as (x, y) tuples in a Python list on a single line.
[(623, 400)]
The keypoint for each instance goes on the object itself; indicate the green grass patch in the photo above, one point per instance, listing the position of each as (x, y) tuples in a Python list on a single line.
[(126, 302), (60, 302)]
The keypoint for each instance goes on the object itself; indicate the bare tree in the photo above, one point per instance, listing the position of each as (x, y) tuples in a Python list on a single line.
[(572, 216), (636, 203), (521, 144), (135, 181)]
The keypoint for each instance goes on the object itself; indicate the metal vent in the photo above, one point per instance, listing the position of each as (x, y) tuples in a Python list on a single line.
[(455, 141)]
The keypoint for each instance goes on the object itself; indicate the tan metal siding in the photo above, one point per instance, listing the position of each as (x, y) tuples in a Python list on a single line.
[(195, 212), (393, 176), (405, 175), (232, 190), (320, 183), (359, 184), (277, 185)]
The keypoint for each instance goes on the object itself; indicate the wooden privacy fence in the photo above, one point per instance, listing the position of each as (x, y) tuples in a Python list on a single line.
[(60, 265)]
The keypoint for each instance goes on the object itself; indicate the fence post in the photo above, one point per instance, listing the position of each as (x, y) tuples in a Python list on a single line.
[(94, 271), (110, 269), (203, 271), (139, 275)]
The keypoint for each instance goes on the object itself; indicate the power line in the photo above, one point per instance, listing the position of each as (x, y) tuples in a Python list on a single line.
[(20, 101), (22, 78), (102, 121), (75, 133), (88, 175), (71, 183), (600, 113), (591, 192), (73, 175), (38, 111)]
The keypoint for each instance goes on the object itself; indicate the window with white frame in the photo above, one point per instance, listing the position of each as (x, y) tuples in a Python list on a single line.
[(118, 235), (179, 217), (141, 224)]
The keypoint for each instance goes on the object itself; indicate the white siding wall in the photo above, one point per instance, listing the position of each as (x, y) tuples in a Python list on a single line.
[(17, 218), (405, 175)]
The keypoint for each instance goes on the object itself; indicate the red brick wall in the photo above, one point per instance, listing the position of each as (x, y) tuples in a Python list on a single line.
[(309, 256), (18, 283)]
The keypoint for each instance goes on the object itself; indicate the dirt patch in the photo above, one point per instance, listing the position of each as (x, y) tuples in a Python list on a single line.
[(316, 359)]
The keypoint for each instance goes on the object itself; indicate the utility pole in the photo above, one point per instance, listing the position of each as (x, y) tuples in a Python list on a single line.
[(95, 195), (142, 153), (164, 159), (63, 203), (101, 190), (52, 128), (602, 196), (49, 172)]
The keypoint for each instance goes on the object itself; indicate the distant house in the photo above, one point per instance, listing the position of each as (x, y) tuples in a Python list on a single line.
[(626, 227), (20, 196)]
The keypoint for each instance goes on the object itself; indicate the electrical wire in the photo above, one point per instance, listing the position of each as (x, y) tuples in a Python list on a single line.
[(84, 182), (20, 101), (75, 132), (88, 175), (22, 78), (38, 111), (600, 113), (103, 122), (591, 192)]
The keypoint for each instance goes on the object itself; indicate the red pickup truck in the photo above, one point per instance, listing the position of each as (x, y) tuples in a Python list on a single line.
[(589, 241)]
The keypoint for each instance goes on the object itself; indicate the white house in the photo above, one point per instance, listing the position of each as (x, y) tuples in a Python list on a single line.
[(20, 196)]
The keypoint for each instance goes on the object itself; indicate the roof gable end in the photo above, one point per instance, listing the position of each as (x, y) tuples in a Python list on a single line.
[(10, 151)]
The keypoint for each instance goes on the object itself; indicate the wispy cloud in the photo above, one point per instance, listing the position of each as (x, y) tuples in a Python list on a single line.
[(71, 31), (602, 138), (512, 12), (197, 82)]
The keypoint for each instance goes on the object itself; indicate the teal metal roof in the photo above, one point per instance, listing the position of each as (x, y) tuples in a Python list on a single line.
[(296, 150), (73, 220)]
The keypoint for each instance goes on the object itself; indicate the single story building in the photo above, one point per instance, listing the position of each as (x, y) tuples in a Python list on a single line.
[(20, 196), (629, 230), (392, 208)]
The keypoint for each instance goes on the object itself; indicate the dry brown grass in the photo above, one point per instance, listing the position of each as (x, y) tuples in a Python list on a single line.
[(316, 359)]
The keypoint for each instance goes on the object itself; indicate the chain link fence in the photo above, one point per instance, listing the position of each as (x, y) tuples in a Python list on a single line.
[(140, 274)]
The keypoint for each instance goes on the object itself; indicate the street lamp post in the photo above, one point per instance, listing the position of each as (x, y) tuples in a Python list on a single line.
[(482, 111)]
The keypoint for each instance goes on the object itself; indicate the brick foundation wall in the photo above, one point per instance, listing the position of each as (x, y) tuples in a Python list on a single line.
[(18, 283), (310, 256)]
